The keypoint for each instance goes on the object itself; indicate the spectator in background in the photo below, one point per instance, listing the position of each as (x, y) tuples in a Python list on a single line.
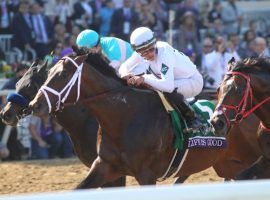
[(45, 142), (161, 12), (63, 12), (22, 28), (6, 12), (66, 148), (225, 51), (147, 17), (209, 65), (124, 20), (43, 29), (253, 26), (244, 49), (203, 15), (84, 14), (188, 5), (118, 3), (217, 28), (4, 152), (186, 35), (191, 54), (233, 46), (75, 30), (19, 72), (60, 34), (215, 13), (104, 17), (232, 17), (260, 49), (67, 47)]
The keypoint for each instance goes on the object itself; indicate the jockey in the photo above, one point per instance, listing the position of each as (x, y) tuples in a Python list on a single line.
[(115, 49), (169, 71)]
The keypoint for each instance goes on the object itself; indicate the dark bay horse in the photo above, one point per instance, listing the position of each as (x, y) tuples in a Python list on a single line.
[(137, 137), (76, 120), (245, 90)]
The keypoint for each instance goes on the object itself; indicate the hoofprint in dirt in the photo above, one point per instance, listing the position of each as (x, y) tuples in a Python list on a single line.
[(63, 174)]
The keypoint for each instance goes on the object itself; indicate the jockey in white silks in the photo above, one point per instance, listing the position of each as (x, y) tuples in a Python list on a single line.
[(169, 71), (114, 49)]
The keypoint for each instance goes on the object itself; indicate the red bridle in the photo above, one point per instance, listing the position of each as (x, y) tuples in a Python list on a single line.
[(241, 109)]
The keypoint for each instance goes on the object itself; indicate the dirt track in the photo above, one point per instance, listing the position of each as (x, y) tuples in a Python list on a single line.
[(61, 174)]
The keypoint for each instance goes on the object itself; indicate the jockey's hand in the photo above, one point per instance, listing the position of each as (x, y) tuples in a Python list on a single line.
[(135, 80)]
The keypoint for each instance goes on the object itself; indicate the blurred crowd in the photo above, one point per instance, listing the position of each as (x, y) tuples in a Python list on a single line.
[(210, 32)]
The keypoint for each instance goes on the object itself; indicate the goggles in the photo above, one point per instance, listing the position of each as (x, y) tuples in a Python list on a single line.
[(145, 51), (144, 45)]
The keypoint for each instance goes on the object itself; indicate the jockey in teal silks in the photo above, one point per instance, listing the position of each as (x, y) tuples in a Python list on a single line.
[(116, 50)]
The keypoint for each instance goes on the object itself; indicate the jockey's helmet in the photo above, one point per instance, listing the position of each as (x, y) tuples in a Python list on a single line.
[(88, 38), (142, 38)]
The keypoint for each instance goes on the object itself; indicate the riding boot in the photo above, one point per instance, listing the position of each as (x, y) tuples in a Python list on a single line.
[(185, 109)]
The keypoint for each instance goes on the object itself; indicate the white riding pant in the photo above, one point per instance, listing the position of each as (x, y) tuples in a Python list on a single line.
[(190, 87)]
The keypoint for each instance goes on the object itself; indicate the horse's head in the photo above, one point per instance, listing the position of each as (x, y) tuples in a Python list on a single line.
[(73, 78), (26, 89), (240, 93)]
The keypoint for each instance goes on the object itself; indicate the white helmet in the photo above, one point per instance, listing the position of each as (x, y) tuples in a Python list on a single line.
[(141, 38)]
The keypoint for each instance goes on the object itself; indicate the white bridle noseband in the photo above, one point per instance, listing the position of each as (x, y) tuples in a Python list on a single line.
[(66, 90)]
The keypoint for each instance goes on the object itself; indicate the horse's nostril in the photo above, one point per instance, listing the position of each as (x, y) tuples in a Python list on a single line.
[(26, 111)]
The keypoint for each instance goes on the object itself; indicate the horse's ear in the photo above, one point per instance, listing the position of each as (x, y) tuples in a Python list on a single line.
[(75, 48), (35, 63), (43, 66), (231, 64)]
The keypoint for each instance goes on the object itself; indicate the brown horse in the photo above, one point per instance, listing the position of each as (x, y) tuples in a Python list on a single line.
[(137, 137), (245, 90), (79, 123)]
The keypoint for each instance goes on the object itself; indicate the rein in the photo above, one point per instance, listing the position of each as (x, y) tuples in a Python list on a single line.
[(241, 109)]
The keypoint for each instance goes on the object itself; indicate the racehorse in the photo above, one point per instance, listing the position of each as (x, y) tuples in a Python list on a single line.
[(137, 137), (76, 120), (245, 90)]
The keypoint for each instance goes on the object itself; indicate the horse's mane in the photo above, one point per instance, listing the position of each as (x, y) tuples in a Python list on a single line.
[(253, 65), (98, 61)]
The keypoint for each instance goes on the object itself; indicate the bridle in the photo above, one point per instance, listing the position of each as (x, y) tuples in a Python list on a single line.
[(241, 109), (64, 93)]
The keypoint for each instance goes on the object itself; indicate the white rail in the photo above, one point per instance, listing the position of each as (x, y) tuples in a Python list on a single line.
[(245, 190)]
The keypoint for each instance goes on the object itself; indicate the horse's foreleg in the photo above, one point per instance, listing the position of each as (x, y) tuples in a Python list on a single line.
[(146, 177), (99, 174), (181, 179), (117, 183), (264, 142)]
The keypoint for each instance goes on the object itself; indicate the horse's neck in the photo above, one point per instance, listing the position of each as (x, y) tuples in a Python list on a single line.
[(125, 106), (95, 85)]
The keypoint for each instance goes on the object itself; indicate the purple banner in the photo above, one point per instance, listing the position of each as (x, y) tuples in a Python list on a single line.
[(207, 142)]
